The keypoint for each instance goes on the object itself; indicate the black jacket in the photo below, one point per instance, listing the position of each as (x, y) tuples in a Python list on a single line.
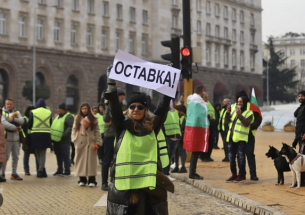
[(300, 124)]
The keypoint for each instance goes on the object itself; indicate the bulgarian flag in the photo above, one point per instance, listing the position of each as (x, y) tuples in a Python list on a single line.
[(196, 132), (253, 103)]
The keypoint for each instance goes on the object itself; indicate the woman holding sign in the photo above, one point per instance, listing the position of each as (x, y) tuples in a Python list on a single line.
[(138, 185)]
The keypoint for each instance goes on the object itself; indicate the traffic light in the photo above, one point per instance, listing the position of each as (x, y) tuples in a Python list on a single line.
[(174, 56), (186, 62)]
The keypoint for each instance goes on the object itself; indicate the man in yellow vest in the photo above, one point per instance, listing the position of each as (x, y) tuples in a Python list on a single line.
[(223, 128), (101, 124), (40, 122), (61, 137), (240, 119)]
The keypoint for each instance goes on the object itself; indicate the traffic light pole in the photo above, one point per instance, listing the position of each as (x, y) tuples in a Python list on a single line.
[(188, 83)]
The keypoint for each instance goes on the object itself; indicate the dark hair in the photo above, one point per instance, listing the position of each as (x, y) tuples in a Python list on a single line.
[(89, 115), (8, 99), (199, 89)]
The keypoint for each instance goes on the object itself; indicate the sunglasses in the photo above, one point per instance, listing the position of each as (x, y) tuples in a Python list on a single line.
[(139, 107)]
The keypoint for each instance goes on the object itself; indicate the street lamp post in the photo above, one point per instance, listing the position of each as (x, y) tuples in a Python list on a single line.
[(268, 79), (34, 58)]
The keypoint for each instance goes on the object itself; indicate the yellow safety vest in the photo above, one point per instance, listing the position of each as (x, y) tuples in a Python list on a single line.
[(57, 127), (163, 153), (240, 133), (101, 122), (172, 123), (136, 162), (26, 120), (222, 116), (41, 120)]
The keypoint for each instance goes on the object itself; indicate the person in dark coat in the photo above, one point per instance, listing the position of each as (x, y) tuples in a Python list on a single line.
[(40, 122)]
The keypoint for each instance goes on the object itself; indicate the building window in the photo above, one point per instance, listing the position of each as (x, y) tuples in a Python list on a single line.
[(57, 32), (292, 52), (40, 1), (104, 39), (292, 63), (241, 59), (73, 34), (233, 14), (174, 2), (234, 35), (242, 37), (233, 57), (208, 29), (131, 40), (174, 21), (208, 53), (208, 7), (105, 8), (252, 61), (217, 10), (198, 27), (302, 51), (2, 23), (144, 17), (225, 12), (117, 40), (252, 19), (132, 14), (144, 45), (217, 55), (217, 31), (90, 6), (58, 3), (225, 33), (74, 4), (198, 5), (89, 36), (40, 29), (225, 56), (252, 38), (21, 26), (119, 11), (241, 16)]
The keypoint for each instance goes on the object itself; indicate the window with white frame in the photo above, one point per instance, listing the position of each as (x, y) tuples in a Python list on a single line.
[(132, 14), (89, 35), (225, 56), (119, 11), (131, 44), (242, 37), (292, 52), (252, 60), (105, 8), (74, 4), (252, 19), (40, 1), (174, 21), (58, 3), (208, 29), (174, 2), (198, 5), (73, 34), (234, 35), (117, 40), (241, 16), (292, 63), (2, 23), (198, 27), (217, 31), (208, 7), (302, 63), (39, 29), (90, 6), (225, 33), (252, 38), (233, 57), (208, 53), (241, 59), (144, 44), (144, 17), (217, 9), (217, 55), (302, 51), (57, 31), (233, 14), (225, 12), (21, 22), (104, 39)]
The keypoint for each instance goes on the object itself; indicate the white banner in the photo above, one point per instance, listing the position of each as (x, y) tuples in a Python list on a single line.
[(133, 70)]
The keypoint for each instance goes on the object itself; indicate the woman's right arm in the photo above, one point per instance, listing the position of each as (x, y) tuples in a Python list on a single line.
[(73, 133)]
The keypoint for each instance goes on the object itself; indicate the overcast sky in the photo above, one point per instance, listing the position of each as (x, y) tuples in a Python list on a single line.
[(282, 16)]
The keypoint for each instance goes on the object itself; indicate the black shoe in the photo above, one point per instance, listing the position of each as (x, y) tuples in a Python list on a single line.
[(2, 179), (196, 176), (207, 160), (40, 174), (105, 187), (175, 170), (57, 173), (182, 170), (225, 160), (254, 178)]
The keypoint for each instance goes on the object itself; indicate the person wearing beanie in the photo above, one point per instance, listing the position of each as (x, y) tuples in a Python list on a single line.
[(299, 114), (61, 129), (136, 167), (40, 121)]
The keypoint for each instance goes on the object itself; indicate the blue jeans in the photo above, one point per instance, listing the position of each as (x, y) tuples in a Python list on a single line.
[(62, 152), (171, 147), (239, 149)]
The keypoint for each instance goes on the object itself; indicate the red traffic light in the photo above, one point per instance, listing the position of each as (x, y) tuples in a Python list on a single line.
[(185, 52)]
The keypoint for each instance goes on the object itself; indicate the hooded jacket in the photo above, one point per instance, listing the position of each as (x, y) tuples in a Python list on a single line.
[(11, 134), (300, 123)]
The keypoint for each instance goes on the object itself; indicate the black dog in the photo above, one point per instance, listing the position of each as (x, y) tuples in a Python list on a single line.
[(280, 164)]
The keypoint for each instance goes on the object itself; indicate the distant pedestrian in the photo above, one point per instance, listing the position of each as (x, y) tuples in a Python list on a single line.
[(101, 124), (86, 138), (2, 146), (71, 144), (217, 108), (223, 128)]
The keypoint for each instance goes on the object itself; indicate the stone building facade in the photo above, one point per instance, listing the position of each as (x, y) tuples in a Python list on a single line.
[(76, 40)]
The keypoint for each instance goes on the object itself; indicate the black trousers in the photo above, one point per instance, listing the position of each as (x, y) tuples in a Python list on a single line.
[(108, 150), (193, 162), (250, 146), (225, 143)]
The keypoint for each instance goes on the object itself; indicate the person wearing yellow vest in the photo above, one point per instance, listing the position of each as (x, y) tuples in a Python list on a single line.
[(26, 146), (223, 128), (71, 144), (171, 129), (101, 124), (86, 137), (240, 119), (136, 163), (61, 137), (40, 122), (12, 120)]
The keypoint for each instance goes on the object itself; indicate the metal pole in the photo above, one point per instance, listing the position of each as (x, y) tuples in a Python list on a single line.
[(268, 78), (34, 58)]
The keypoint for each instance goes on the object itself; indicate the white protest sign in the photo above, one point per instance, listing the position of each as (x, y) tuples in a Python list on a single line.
[(133, 70)]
